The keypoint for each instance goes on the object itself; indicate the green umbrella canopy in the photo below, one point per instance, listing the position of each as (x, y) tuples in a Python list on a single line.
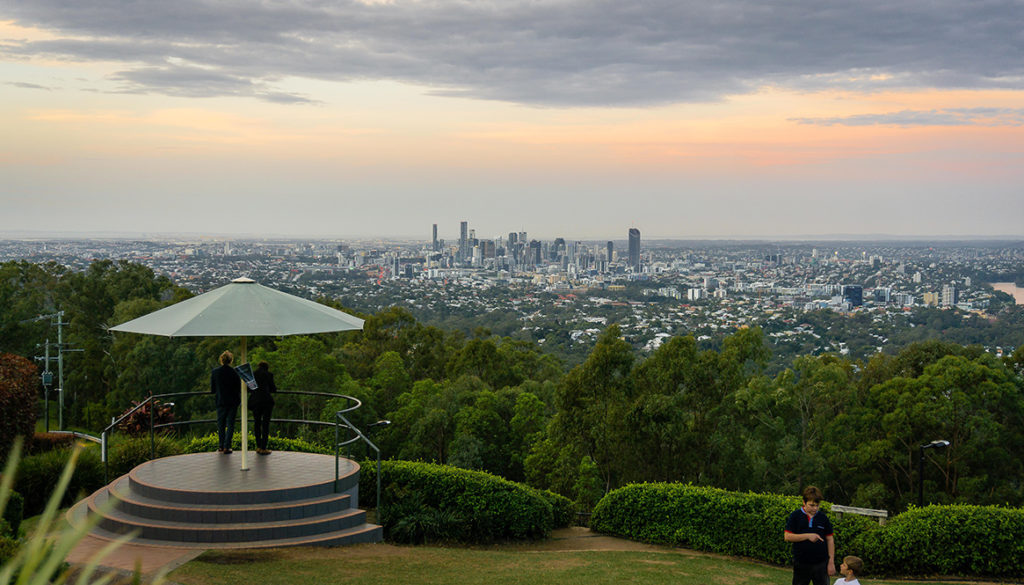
[(242, 308), (239, 309)]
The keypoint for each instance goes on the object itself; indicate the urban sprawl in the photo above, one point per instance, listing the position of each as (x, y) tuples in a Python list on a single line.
[(652, 289)]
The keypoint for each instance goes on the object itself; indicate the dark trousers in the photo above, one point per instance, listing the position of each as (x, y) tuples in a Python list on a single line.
[(225, 425), (804, 574), (261, 425)]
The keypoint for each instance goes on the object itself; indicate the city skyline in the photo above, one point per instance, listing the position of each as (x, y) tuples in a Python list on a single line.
[(368, 118)]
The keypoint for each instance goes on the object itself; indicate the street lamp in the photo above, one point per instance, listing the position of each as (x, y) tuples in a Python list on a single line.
[(939, 444)]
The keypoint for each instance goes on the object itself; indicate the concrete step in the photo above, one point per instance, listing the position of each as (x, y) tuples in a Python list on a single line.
[(144, 507)]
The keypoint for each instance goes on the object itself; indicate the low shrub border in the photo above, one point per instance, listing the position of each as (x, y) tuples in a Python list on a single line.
[(949, 540), (429, 502), (969, 541)]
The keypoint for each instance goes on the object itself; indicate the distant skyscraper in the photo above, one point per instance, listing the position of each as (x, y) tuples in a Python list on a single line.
[(435, 247), (853, 294), (950, 296), (634, 249), (611, 250), (463, 237)]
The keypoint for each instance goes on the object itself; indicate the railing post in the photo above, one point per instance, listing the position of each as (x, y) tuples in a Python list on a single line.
[(337, 453), (103, 456), (380, 514), (152, 436)]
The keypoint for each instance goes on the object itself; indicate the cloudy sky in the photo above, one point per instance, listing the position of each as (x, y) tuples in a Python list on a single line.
[(578, 118)]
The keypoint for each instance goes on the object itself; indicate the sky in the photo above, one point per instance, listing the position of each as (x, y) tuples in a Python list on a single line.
[(573, 118)]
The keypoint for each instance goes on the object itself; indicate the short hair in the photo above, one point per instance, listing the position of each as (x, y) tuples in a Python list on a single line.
[(226, 357), (854, 564), (812, 494), (262, 366)]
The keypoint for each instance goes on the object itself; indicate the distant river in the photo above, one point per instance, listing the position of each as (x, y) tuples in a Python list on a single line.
[(1010, 289)]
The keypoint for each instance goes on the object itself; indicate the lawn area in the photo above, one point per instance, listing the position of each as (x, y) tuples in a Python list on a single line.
[(557, 562)]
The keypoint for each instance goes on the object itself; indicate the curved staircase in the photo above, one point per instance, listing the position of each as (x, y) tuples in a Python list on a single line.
[(204, 500)]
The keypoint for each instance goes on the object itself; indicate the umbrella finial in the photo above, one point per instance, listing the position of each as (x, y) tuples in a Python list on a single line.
[(243, 279)]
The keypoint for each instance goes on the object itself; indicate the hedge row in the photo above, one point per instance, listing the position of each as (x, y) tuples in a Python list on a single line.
[(946, 540), (949, 540), (274, 443), (37, 474), (428, 502)]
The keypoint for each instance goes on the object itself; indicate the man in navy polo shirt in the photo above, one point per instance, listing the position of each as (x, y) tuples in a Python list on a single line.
[(814, 550)]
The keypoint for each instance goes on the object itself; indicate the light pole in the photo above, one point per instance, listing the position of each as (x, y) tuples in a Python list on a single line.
[(939, 444)]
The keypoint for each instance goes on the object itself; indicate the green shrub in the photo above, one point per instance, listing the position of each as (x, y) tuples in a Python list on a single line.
[(38, 474), (18, 384), (43, 442), (949, 540), (425, 501), (209, 442), (13, 515), (8, 546), (125, 454), (704, 518), (563, 509)]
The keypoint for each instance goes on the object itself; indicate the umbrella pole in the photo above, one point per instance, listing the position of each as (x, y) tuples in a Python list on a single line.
[(245, 415)]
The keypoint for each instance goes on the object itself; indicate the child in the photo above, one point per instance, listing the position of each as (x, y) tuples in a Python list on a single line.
[(849, 570), (814, 549)]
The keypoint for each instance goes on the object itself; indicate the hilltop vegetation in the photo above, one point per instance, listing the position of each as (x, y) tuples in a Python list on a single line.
[(716, 413)]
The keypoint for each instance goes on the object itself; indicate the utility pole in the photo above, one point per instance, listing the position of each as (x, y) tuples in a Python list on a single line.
[(58, 320)]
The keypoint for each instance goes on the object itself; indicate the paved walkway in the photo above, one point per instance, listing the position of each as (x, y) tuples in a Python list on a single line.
[(148, 559)]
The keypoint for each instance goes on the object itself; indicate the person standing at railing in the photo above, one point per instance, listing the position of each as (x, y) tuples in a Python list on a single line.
[(226, 387), (261, 402)]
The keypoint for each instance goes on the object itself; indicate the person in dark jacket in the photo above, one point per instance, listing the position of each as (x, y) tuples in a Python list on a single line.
[(261, 402), (226, 386)]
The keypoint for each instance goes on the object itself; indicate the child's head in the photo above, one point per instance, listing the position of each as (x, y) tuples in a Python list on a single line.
[(851, 566), (812, 499), (812, 494)]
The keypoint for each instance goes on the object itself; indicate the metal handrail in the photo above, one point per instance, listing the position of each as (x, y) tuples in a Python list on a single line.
[(77, 435), (102, 440), (339, 418)]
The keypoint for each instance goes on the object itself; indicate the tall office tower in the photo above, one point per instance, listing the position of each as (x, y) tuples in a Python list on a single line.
[(950, 296), (512, 238), (558, 249), (463, 236), (853, 294), (611, 250), (634, 249), (435, 247), (535, 253)]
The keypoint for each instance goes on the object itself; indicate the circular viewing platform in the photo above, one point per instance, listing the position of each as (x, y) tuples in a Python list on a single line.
[(205, 500)]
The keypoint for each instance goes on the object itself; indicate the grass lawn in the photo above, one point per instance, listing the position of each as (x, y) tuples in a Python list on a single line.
[(381, 564)]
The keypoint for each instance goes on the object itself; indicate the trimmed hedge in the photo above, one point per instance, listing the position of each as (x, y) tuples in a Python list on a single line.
[(38, 474), (947, 540), (125, 454), (208, 443), (703, 518), (563, 509), (429, 502)]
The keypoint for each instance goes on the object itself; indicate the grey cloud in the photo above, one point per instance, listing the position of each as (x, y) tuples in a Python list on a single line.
[(946, 117), (24, 85), (541, 52)]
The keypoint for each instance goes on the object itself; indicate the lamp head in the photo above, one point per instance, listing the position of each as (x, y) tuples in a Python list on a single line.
[(939, 444)]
